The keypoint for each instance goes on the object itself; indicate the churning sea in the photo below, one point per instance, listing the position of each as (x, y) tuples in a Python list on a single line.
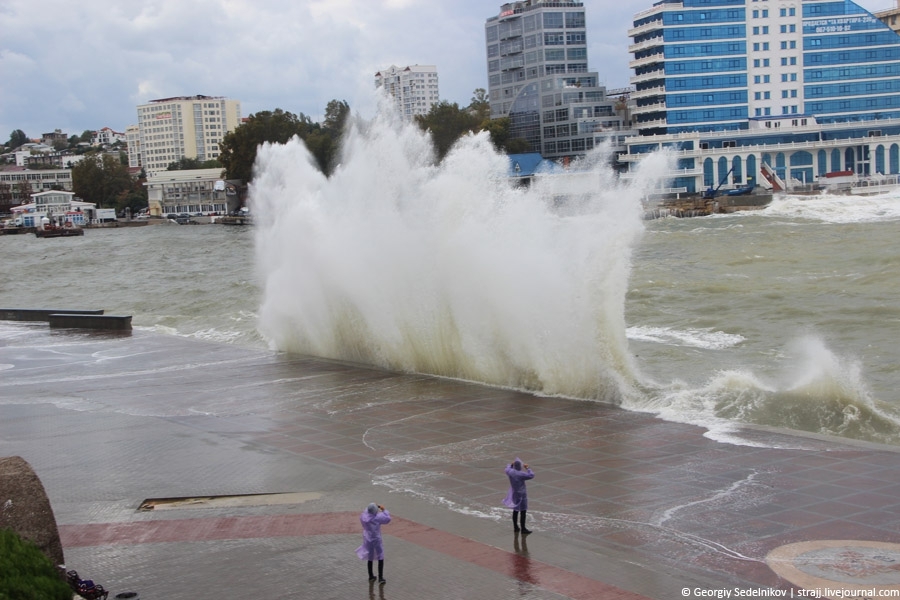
[(785, 317)]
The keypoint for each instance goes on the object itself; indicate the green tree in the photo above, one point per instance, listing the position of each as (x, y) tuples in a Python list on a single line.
[(447, 122), (6, 197), (480, 105), (498, 129), (186, 164), (324, 142), (24, 191), (238, 148), (101, 179), (16, 139), (336, 113), (86, 136)]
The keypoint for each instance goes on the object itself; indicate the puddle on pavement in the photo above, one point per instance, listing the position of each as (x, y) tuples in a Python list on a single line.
[(228, 501)]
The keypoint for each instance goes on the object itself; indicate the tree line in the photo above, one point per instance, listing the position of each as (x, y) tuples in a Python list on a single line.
[(447, 122), (104, 178)]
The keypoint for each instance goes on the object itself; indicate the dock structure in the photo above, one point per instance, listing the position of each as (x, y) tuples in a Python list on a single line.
[(83, 321), (69, 318), (40, 314)]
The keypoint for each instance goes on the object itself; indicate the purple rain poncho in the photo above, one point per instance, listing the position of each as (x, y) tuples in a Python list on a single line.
[(372, 548), (517, 496)]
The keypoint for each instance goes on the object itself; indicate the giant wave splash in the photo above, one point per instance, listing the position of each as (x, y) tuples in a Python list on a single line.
[(449, 269)]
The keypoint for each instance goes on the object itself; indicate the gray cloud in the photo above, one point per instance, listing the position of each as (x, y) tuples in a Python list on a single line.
[(88, 64)]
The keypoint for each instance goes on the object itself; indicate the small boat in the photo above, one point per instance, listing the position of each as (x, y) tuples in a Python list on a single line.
[(48, 230)]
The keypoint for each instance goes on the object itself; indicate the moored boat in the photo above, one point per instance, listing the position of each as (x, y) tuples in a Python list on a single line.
[(48, 230)]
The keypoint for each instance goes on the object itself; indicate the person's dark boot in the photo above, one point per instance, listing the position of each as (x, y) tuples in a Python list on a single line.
[(371, 574), (522, 521), (516, 521), (381, 579)]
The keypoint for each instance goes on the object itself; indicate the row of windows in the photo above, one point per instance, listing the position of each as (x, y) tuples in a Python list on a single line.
[(733, 97), (550, 20), (700, 17), (702, 33), (10, 177), (853, 72), (886, 38), (764, 13), (707, 82), (764, 30), (707, 115), (713, 49), (785, 110), (854, 89), (567, 54), (860, 55), (706, 66), (854, 104)]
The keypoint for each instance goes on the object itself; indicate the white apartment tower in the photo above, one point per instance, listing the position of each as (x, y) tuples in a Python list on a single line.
[(413, 88), (133, 139), (184, 127)]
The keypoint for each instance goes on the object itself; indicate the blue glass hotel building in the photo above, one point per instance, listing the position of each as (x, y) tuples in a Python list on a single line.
[(745, 89)]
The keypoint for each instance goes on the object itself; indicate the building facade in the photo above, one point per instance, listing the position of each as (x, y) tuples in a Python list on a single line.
[(738, 88), (56, 137), (107, 137), (192, 192), (890, 16), (57, 206), (133, 140), (170, 129), (414, 89), (538, 76), (21, 183)]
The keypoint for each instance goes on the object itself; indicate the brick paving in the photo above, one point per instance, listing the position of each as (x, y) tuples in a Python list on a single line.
[(623, 506)]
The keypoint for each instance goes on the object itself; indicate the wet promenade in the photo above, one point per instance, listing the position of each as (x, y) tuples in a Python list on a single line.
[(272, 457)]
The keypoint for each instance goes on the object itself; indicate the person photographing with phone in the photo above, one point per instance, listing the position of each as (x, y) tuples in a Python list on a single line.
[(517, 496), (372, 548)]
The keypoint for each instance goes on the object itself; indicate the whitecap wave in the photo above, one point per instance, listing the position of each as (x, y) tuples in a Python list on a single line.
[(695, 338), (830, 208)]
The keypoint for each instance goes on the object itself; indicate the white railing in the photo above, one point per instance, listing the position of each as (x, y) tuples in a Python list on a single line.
[(651, 43), (649, 92), (648, 108), (660, 74), (647, 60)]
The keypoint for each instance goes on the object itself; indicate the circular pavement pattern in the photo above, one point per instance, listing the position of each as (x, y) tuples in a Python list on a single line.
[(840, 568)]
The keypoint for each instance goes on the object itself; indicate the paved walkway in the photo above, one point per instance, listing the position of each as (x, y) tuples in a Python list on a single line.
[(623, 506)]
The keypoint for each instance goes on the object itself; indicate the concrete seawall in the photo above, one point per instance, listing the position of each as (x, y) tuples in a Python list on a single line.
[(82, 321), (71, 319), (40, 314)]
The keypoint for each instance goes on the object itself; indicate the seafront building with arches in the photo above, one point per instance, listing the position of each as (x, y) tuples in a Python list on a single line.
[(777, 93)]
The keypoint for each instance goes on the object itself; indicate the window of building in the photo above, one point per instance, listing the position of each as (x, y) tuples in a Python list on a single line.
[(553, 20), (574, 20)]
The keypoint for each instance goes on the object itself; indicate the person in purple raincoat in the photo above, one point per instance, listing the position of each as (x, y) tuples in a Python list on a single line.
[(517, 497), (372, 549)]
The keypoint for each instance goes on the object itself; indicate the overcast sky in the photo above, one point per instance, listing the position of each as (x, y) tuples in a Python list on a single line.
[(87, 64)]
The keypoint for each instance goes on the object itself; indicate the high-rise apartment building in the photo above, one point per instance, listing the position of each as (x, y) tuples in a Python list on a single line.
[(538, 76), (183, 127), (413, 88), (890, 16), (133, 139), (739, 87)]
